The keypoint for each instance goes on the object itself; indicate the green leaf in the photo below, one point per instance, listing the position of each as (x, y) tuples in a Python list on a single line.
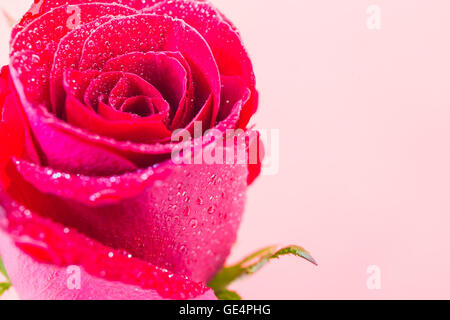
[(4, 287), (228, 295), (3, 270), (252, 264)]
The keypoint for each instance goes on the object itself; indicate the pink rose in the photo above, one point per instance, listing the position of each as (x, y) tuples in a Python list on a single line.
[(89, 103)]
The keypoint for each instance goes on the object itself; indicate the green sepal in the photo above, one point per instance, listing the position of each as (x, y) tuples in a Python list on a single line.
[(3, 270), (250, 265), (4, 286), (228, 295)]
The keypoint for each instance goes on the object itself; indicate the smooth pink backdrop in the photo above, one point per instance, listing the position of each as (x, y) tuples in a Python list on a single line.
[(364, 119)]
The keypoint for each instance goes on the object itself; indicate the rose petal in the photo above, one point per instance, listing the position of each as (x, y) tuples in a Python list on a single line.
[(55, 24), (141, 130), (162, 70), (233, 90), (109, 152), (143, 106), (225, 42), (38, 251), (90, 191), (75, 83), (111, 114), (66, 58), (40, 39), (161, 224), (85, 156), (131, 85), (32, 71), (17, 140), (39, 7), (156, 33), (11, 135)]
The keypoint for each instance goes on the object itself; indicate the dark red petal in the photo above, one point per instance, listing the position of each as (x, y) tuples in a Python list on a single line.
[(15, 136), (69, 146), (111, 114), (160, 106), (141, 130), (235, 94), (11, 134), (131, 85), (156, 33), (70, 139), (143, 106), (255, 162), (233, 90), (38, 251), (161, 69)]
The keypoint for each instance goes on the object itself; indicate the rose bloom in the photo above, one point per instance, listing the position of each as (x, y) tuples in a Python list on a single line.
[(89, 103)]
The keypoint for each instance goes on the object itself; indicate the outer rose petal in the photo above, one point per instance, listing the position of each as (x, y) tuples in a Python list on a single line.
[(39, 7), (37, 253), (16, 139), (33, 49), (183, 224)]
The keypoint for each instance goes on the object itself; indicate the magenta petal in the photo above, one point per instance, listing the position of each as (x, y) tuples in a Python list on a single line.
[(224, 40), (161, 224), (155, 33), (111, 114), (85, 156), (41, 38), (37, 252), (90, 191), (141, 130), (54, 25), (32, 71), (100, 88), (67, 149), (75, 82), (39, 7), (66, 58)]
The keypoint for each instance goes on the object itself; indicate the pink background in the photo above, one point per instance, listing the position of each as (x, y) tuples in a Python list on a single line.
[(364, 119)]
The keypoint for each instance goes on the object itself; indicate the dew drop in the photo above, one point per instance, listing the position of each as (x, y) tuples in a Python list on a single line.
[(194, 223)]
